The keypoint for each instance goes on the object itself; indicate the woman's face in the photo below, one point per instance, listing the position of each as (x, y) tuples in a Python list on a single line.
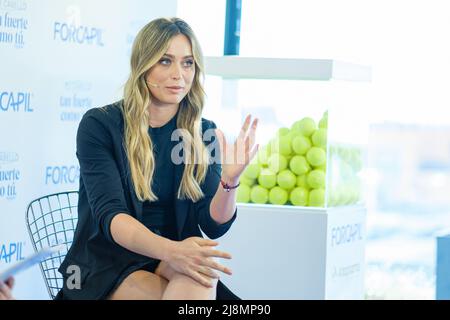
[(170, 79)]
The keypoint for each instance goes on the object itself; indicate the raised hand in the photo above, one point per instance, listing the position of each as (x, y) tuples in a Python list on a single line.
[(236, 156)]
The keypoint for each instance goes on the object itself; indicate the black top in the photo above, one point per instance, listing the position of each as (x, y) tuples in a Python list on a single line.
[(106, 189), (159, 215)]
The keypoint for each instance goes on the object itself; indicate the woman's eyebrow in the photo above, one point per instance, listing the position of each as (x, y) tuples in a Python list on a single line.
[(172, 56)]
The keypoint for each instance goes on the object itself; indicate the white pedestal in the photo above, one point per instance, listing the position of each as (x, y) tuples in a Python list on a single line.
[(287, 252)]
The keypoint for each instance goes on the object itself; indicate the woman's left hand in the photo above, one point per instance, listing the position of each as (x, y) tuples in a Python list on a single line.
[(235, 157)]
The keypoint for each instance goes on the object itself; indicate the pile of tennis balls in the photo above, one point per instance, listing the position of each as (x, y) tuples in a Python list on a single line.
[(345, 174), (290, 169)]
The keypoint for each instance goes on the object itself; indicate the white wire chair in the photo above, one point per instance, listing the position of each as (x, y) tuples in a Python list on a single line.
[(51, 220)]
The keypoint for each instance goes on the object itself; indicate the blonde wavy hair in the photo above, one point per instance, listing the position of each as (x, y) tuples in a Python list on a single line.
[(150, 45)]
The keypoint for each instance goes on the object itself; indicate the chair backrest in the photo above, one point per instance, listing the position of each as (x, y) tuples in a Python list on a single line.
[(52, 220)]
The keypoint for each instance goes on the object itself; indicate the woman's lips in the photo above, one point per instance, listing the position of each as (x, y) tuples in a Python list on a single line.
[(175, 89)]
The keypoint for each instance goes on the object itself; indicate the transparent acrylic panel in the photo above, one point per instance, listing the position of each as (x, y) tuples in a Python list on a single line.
[(348, 128), (312, 135)]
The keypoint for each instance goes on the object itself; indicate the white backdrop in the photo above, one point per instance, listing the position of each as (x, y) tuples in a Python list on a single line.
[(57, 60)]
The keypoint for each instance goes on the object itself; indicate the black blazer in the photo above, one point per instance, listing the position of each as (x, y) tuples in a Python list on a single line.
[(106, 190)]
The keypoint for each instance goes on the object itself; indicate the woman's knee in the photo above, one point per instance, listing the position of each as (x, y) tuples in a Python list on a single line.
[(183, 287), (166, 271), (189, 281)]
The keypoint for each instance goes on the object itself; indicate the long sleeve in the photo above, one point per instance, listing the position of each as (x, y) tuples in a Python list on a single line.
[(99, 172)]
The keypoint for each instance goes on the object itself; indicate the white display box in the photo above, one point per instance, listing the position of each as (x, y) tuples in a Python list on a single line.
[(284, 252), (297, 252), (333, 96), (238, 67)]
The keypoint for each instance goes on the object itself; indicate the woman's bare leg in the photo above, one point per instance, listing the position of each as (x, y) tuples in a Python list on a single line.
[(140, 285), (182, 287)]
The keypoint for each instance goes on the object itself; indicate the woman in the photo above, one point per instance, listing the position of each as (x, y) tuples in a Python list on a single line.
[(140, 207)]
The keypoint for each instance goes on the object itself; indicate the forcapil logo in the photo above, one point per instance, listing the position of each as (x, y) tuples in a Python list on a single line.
[(77, 34), (15, 101), (62, 174)]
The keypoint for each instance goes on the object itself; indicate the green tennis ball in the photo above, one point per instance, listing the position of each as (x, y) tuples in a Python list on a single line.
[(299, 165), (292, 133), (316, 156), (259, 194), (282, 145), (289, 157), (299, 196), (319, 138), (252, 170), (301, 144), (246, 181), (302, 181), (322, 167), (345, 195), (263, 155), (305, 126), (332, 199), (333, 150), (243, 193), (354, 190), (283, 131), (277, 162), (278, 196), (286, 179), (335, 196), (317, 197), (323, 123), (267, 178), (316, 179)]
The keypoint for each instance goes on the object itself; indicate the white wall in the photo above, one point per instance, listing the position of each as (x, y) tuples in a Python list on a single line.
[(403, 41)]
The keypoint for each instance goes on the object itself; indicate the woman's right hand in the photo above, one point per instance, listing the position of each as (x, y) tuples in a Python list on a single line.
[(194, 257)]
